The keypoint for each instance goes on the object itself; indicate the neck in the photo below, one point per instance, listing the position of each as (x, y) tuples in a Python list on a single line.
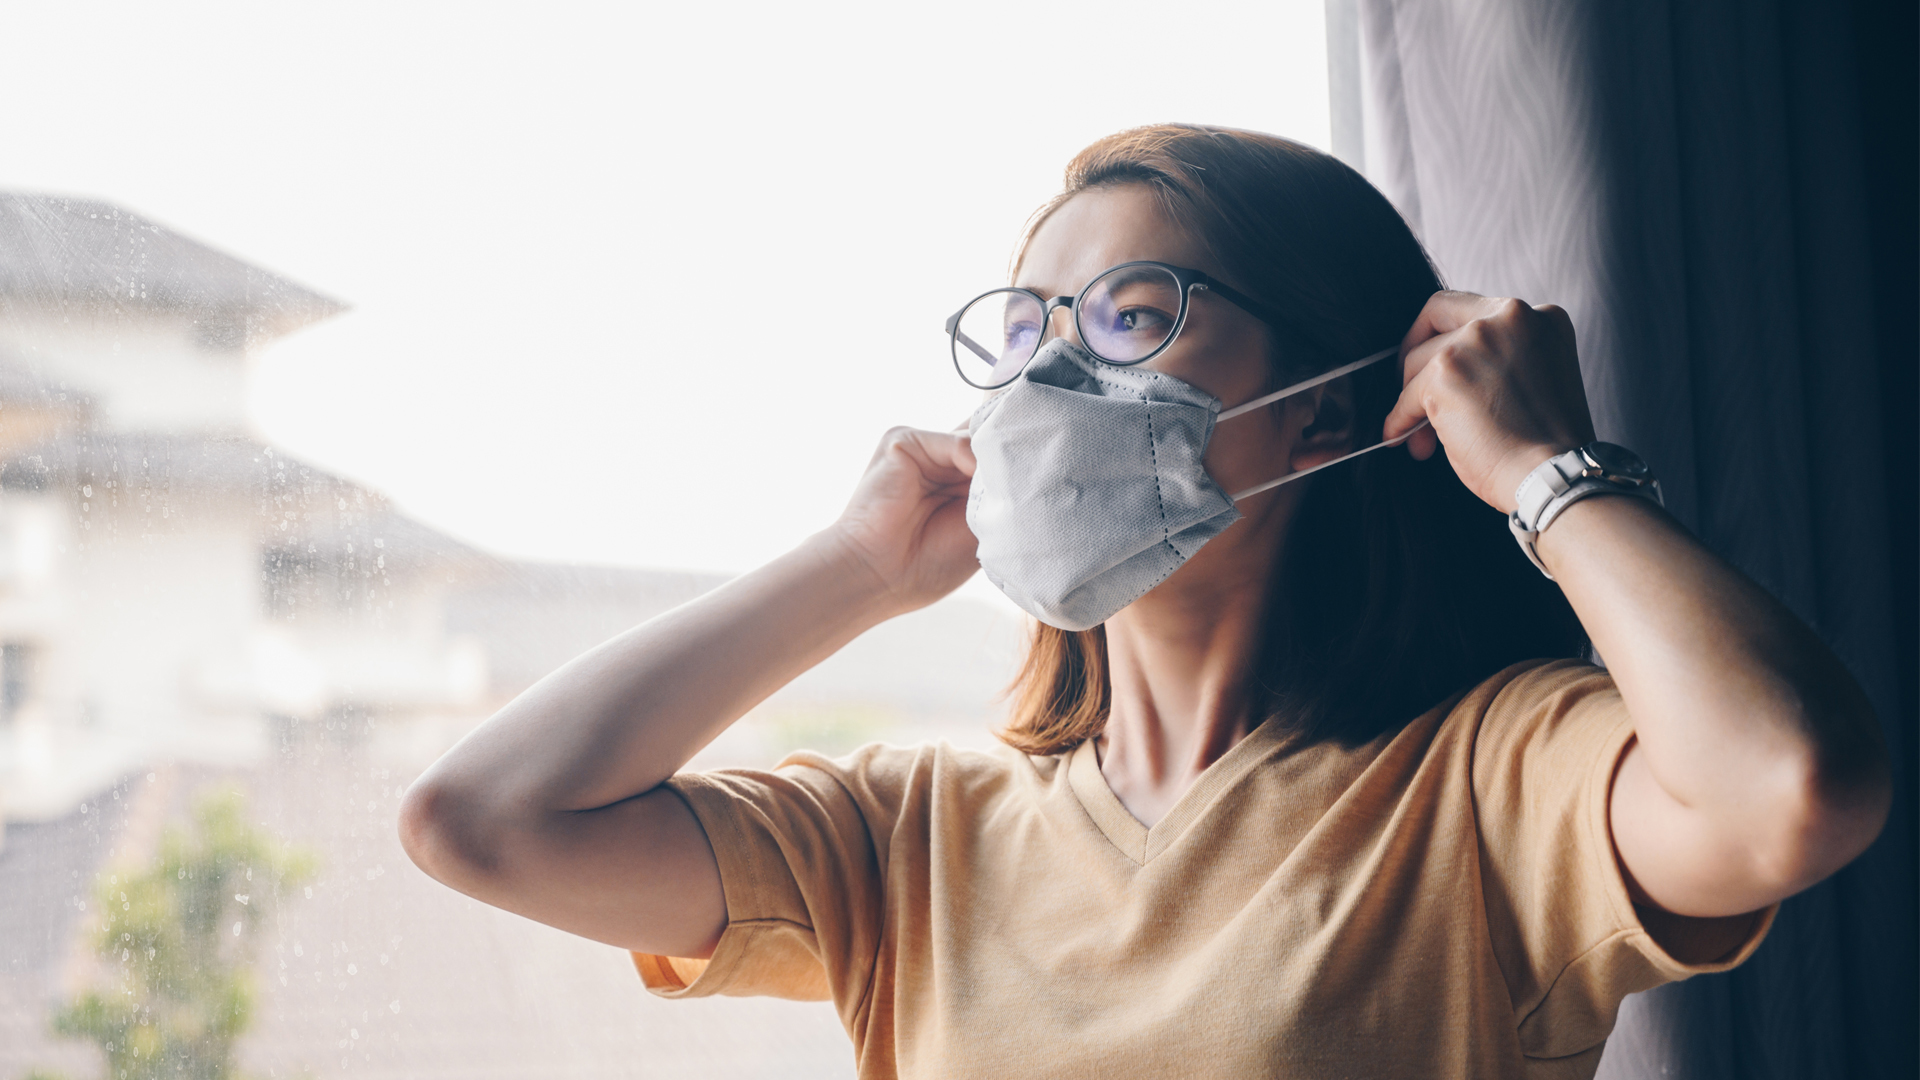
[(1180, 660)]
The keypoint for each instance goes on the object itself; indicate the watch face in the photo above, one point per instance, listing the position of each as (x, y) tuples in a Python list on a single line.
[(1617, 460)]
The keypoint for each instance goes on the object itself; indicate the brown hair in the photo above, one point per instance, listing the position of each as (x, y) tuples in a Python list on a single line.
[(1399, 586)]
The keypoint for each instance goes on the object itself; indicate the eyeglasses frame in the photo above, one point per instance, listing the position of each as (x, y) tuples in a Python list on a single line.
[(1188, 280)]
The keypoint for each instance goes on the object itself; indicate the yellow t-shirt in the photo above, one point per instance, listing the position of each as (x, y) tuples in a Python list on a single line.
[(1442, 901)]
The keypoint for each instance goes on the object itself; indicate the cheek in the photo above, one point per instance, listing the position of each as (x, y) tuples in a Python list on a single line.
[(1248, 450), (1231, 366)]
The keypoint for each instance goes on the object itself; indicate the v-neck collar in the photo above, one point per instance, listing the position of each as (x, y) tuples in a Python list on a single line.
[(1141, 843)]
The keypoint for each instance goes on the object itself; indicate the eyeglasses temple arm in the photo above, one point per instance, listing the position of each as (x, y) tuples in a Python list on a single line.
[(961, 336), (1247, 303)]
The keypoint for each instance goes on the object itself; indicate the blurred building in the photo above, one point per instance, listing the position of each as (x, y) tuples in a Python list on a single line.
[(174, 588), (167, 579)]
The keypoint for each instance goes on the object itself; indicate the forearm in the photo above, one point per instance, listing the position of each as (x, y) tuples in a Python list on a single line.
[(1742, 713), (1758, 767), (620, 719)]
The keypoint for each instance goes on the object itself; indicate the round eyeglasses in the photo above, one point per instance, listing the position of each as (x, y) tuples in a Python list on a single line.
[(1126, 315)]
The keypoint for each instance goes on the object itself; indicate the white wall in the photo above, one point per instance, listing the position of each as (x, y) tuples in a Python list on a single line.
[(143, 373)]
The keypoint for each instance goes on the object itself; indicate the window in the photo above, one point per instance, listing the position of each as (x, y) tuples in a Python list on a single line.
[(357, 371), (16, 686)]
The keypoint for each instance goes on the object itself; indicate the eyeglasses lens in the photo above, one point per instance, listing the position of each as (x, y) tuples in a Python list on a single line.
[(996, 336), (1129, 312)]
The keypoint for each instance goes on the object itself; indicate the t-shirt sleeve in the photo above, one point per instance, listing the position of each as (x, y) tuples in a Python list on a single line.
[(800, 851), (1565, 931)]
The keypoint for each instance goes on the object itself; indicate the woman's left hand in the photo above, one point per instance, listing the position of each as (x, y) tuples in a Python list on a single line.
[(1500, 381), (1757, 766)]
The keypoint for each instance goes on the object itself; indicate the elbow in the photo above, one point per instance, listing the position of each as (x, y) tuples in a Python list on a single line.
[(1826, 814), (443, 832)]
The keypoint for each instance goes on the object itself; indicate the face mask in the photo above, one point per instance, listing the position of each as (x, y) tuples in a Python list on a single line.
[(1090, 488)]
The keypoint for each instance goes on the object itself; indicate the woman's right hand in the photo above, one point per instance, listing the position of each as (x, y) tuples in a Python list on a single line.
[(907, 520), (554, 807)]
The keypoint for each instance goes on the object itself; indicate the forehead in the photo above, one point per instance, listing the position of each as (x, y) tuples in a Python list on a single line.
[(1098, 228)]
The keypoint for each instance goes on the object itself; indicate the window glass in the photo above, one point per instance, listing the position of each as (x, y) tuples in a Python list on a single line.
[(361, 363)]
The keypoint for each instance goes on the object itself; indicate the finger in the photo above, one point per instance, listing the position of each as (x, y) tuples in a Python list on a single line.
[(928, 448), (1423, 444), (1445, 312), (941, 457), (1409, 412), (1561, 322), (1409, 409)]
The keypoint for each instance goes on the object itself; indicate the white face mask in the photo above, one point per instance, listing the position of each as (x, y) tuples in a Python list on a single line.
[(1091, 487)]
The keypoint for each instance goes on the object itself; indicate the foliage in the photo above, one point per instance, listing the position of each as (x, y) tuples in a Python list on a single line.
[(182, 935)]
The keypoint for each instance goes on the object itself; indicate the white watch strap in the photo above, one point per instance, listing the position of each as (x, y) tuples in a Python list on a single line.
[(1551, 479), (1555, 484)]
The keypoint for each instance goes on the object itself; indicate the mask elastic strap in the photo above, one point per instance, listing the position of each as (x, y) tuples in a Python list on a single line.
[(1269, 399), (1271, 484), (1240, 410)]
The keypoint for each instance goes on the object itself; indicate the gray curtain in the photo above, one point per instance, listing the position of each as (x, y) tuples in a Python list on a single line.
[(1688, 181)]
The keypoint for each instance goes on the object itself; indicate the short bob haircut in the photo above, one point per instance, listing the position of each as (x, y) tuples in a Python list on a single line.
[(1399, 587)]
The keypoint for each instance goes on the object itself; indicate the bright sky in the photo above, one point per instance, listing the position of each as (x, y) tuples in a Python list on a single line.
[(632, 283)]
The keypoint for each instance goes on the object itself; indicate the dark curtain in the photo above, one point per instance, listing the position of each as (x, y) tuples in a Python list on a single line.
[(1721, 194)]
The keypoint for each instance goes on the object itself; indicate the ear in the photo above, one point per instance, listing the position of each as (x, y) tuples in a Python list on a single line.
[(1329, 433)]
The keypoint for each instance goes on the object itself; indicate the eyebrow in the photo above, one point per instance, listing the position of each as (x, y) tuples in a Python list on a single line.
[(1132, 274)]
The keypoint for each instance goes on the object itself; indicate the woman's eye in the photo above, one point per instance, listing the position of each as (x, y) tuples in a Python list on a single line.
[(1022, 335), (1144, 320)]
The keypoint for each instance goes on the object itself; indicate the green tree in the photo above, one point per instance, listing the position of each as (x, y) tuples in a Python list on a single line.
[(183, 935)]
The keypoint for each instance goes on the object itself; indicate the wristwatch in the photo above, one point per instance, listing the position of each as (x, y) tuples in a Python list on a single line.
[(1598, 468)]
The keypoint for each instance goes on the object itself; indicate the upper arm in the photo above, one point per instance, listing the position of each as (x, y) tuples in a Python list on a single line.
[(1707, 862), (1694, 891), (639, 874), (1567, 932)]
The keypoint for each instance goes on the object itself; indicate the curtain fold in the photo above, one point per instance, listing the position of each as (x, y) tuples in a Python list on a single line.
[(1686, 179)]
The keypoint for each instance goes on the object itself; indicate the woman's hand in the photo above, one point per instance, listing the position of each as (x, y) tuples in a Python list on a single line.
[(554, 807), (907, 520), (1501, 383), (1757, 767)]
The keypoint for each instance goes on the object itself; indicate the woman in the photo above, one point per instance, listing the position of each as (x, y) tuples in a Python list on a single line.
[(1296, 783)]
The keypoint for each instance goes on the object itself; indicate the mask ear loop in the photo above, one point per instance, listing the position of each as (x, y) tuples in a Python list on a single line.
[(1309, 384), (1271, 484), (1346, 369)]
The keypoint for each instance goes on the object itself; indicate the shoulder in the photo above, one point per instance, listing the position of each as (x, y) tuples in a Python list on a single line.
[(1542, 731), (1524, 687), (881, 778), (1531, 723), (1534, 697)]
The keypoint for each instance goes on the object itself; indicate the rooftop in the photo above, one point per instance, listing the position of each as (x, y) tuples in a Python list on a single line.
[(79, 252)]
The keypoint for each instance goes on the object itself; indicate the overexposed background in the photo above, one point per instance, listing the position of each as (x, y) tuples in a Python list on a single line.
[(637, 287), (631, 284)]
